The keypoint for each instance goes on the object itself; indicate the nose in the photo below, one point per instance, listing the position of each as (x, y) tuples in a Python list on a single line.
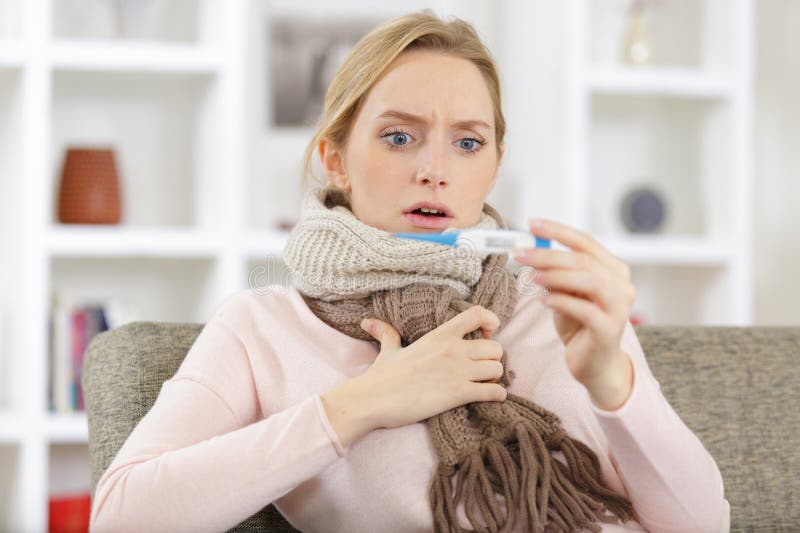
[(432, 181), (432, 172)]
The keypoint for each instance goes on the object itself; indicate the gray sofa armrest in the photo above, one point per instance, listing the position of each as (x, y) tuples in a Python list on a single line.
[(123, 371), (737, 389)]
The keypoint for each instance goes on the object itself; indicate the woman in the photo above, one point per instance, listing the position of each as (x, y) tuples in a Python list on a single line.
[(408, 386)]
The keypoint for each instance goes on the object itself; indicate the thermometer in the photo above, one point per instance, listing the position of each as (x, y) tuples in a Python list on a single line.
[(483, 241)]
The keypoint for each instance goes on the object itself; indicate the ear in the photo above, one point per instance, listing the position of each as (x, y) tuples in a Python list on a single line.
[(333, 164)]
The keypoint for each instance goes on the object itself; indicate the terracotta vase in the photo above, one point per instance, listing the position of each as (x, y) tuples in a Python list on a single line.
[(89, 192)]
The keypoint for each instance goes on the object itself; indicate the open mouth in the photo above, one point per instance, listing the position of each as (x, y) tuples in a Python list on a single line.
[(428, 218), (428, 212)]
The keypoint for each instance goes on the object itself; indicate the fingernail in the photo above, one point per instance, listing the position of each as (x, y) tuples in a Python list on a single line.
[(366, 324)]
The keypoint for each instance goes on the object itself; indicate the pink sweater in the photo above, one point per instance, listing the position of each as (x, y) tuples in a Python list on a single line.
[(241, 424)]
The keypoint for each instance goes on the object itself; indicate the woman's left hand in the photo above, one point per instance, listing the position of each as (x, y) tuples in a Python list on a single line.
[(591, 295)]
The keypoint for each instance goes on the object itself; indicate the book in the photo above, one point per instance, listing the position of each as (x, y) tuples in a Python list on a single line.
[(73, 325)]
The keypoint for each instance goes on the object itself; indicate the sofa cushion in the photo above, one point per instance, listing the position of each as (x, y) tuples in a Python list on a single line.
[(737, 389)]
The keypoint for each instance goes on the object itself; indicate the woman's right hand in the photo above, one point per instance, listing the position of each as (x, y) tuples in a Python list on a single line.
[(439, 371)]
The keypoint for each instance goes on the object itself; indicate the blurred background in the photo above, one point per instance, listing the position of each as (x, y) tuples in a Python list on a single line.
[(151, 150)]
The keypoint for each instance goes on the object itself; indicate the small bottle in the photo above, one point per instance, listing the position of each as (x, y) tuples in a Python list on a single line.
[(638, 49)]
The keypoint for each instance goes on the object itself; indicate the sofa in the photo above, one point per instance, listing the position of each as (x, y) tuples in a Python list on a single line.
[(737, 388)]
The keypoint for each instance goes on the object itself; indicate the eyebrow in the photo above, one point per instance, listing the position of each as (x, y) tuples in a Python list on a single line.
[(393, 113)]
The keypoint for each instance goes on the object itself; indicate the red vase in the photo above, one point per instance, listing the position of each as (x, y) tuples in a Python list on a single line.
[(89, 191)]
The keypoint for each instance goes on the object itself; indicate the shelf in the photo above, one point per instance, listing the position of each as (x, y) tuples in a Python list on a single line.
[(669, 250), (662, 81), (259, 244), (86, 240), (108, 241), (67, 428), (104, 56)]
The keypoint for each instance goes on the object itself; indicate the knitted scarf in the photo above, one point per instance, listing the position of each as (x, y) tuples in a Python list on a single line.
[(346, 271)]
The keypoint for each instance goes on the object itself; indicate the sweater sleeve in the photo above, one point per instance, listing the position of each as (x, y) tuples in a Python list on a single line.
[(671, 479), (205, 457)]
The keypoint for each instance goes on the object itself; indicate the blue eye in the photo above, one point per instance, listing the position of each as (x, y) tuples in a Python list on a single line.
[(476, 144), (469, 140), (399, 135), (395, 133)]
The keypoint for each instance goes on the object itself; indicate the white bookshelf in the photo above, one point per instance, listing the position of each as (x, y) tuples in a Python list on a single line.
[(680, 123), (204, 181), (173, 106)]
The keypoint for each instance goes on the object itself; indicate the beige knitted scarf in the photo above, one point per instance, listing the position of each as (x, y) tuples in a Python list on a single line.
[(347, 270)]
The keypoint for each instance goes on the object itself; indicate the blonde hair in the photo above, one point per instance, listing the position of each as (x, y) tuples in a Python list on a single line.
[(369, 58)]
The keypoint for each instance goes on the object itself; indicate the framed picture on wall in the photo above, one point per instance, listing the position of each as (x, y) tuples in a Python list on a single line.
[(304, 52)]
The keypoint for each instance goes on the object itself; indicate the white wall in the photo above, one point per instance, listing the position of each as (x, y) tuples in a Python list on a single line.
[(777, 164)]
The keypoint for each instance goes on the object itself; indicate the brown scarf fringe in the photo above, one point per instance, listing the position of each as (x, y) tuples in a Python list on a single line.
[(548, 495)]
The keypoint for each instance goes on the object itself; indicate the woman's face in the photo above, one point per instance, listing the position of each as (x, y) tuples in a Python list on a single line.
[(423, 135)]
